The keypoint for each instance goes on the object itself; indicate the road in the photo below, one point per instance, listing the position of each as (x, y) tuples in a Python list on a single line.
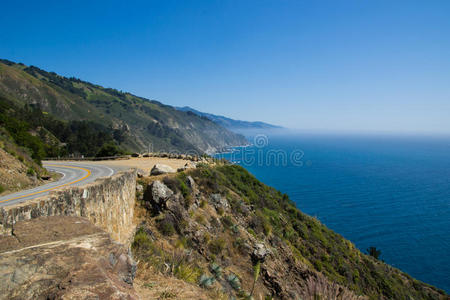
[(73, 174)]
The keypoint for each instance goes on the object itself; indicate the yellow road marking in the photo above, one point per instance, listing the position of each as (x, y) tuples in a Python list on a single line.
[(43, 191)]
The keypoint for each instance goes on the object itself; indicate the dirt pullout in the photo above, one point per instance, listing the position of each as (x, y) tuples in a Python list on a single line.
[(142, 163), (63, 258)]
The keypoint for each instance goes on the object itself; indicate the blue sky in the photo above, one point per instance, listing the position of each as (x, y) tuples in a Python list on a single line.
[(332, 65)]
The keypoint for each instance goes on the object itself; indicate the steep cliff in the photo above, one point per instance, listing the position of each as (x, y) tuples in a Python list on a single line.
[(213, 232), (222, 229)]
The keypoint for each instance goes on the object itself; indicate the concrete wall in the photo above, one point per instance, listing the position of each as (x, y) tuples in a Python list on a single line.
[(107, 203)]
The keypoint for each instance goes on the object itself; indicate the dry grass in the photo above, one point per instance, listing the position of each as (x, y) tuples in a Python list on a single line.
[(158, 286), (321, 289)]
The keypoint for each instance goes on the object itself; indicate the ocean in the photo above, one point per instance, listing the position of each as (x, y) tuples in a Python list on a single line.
[(391, 192)]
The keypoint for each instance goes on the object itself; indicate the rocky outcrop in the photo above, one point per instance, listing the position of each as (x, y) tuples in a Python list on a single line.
[(219, 202), (107, 203), (260, 252), (64, 258), (159, 169)]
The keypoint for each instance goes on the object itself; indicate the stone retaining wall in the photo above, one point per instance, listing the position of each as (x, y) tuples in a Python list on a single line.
[(107, 203)]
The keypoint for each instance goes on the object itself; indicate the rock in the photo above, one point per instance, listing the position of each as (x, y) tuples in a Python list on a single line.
[(139, 189), (260, 251), (190, 165), (140, 173), (191, 183), (219, 201), (160, 192), (246, 210), (159, 169), (64, 258), (157, 195), (125, 268)]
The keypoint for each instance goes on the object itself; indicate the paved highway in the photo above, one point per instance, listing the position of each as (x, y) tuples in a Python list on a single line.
[(73, 174)]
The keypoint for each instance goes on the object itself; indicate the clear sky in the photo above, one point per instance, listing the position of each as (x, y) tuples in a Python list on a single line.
[(339, 65)]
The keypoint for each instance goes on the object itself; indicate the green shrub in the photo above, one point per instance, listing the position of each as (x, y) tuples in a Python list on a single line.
[(166, 227), (227, 221), (206, 238), (205, 281), (2, 189), (183, 188), (167, 295), (200, 219), (31, 172), (374, 252), (187, 272), (239, 244), (220, 211), (234, 281), (251, 231), (216, 270), (182, 243), (109, 149), (217, 246), (140, 238)]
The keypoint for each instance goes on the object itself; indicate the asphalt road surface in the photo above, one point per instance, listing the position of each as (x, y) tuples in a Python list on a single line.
[(73, 174)]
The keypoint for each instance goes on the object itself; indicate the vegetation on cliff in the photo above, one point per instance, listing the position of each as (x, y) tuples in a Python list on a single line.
[(221, 224), (42, 135), (134, 122)]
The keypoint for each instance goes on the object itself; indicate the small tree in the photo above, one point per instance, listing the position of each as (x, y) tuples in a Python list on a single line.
[(374, 252), (109, 149)]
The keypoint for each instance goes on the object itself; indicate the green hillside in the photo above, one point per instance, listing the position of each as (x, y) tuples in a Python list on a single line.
[(221, 222), (137, 122)]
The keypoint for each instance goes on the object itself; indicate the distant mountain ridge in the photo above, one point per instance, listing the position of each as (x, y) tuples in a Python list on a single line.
[(229, 123), (140, 123)]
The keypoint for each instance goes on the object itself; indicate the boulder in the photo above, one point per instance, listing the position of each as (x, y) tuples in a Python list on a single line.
[(159, 169), (219, 201), (260, 251), (157, 195), (191, 183), (140, 173), (190, 165), (160, 192)]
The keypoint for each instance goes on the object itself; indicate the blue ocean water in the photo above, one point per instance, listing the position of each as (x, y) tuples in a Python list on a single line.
[(389, 192)]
